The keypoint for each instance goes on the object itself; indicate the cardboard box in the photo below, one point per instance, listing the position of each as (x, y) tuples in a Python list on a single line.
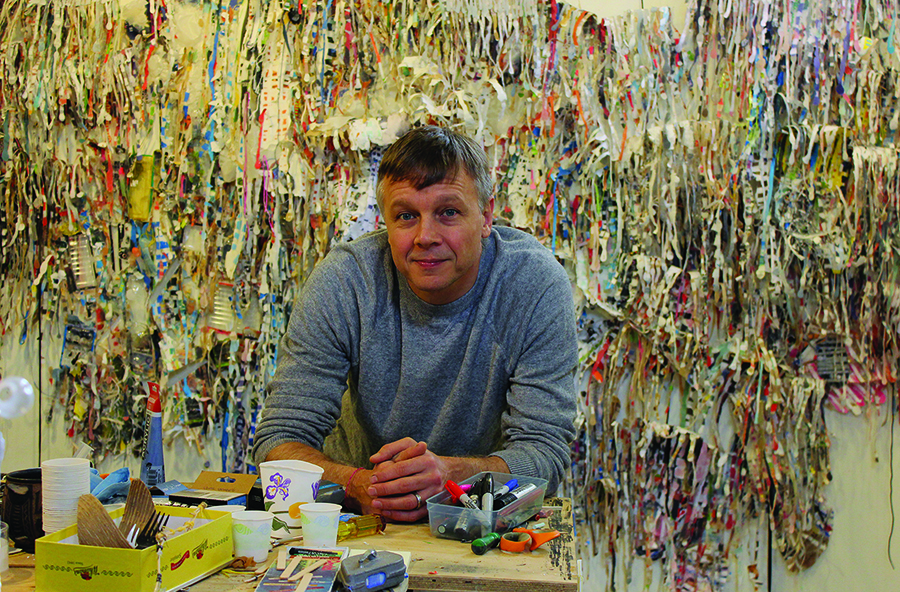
[(62, 565), (216, 489)]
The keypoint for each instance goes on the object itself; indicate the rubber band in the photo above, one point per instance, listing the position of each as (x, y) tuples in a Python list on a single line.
[(352, 475)]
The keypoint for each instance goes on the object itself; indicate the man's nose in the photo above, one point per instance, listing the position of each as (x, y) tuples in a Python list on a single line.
[(427, 233)]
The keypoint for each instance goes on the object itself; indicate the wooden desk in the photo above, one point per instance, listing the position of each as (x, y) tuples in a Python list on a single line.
[(436, 564)]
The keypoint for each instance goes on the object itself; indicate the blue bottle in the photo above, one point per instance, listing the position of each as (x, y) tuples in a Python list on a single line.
[(153, 470)]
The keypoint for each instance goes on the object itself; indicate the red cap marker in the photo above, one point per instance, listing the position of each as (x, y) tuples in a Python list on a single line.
[(457, 492)]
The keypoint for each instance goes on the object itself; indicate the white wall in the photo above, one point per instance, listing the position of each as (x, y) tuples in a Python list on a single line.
[(857, 556)]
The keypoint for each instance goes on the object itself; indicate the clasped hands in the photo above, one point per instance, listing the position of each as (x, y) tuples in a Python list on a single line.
[(405, 474)]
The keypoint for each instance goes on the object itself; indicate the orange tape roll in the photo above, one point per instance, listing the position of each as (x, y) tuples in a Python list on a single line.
[(515, 542), (538, 537)]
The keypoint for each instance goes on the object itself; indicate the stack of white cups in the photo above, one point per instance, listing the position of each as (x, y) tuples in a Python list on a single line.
[(63, 481)]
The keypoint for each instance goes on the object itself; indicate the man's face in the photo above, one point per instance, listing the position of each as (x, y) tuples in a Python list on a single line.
[(435, 236)]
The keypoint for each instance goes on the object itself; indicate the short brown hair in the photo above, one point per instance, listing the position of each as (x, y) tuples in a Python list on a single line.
[(427, 155)]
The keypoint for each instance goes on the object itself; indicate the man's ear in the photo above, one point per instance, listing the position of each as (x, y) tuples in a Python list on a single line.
[(488, 219)]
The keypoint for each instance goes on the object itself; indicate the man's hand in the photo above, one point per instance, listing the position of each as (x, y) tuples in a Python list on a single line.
[(407, 473)]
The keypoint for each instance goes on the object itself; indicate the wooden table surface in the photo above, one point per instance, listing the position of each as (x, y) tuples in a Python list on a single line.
[(435, 565)]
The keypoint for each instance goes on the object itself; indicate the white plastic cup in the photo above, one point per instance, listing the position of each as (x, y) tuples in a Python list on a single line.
[(63, 481), (251, 530), (286, 484), (320, 524)]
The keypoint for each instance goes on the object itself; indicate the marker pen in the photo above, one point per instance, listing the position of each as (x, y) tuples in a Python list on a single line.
[(485, 543), (512, 496), (509, 485), (457, 492), (482, 485), (487, 498), (465, 487)]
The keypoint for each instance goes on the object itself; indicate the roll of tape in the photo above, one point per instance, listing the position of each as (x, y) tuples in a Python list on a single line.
[(515, 542), (538, 537)]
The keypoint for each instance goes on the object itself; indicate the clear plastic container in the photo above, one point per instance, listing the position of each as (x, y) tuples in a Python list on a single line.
[(455, 521)]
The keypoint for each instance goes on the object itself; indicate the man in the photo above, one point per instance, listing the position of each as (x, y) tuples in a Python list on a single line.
[(454, 342)]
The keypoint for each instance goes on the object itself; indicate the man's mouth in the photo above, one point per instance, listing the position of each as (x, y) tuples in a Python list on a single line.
[(428, 263)]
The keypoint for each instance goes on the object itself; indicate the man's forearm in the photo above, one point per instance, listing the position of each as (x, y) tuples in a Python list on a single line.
[(333, 471), (461, 468)]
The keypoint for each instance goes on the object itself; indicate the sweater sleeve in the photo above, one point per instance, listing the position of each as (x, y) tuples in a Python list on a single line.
[(538, 426), (304, 397)]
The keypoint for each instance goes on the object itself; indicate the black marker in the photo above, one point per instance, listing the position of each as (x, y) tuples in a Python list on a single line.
[(487, 498), (515, 494)]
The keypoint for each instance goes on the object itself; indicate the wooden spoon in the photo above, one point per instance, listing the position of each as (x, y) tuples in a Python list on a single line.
[(96, 526), (139, 507)]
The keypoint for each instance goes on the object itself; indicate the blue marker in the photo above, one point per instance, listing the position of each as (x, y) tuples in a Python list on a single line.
[(507, 487)]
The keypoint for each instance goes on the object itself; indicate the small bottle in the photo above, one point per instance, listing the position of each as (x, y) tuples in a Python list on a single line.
[(153, 469), (360, 526)]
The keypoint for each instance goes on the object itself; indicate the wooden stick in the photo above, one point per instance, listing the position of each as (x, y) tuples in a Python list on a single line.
[(304, 583), (282, 559), (263, 568), (308, 570), (290, 568)]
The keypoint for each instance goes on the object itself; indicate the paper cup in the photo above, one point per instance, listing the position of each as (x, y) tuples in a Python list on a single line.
[(320, 524), (251, 531), (63, 481), (287, 484)]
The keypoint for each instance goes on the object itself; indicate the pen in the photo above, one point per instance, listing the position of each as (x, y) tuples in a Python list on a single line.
[(457, 492), (515, 494), (465, 487), (509, 485), (487, 498), (485, 543)]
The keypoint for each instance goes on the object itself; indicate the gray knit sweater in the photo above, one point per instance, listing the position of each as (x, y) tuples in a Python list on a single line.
[(490, 373)]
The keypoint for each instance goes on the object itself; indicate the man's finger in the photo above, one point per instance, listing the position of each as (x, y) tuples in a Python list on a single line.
[(401, 516), (413, 451), (391, 472), (391, 449), (399, 486), (402, 508)]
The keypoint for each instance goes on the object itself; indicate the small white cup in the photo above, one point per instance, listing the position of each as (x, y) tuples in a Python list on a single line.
[(320, 524), (251, 530)]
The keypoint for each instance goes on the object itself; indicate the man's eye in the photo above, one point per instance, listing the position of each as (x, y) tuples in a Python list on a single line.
[(405, 216), (451, 212)]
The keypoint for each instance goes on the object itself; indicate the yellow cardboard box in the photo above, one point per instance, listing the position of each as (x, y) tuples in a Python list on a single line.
[(62, 565)]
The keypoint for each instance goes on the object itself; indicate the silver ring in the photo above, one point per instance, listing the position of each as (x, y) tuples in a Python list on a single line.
[(418, 500)]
